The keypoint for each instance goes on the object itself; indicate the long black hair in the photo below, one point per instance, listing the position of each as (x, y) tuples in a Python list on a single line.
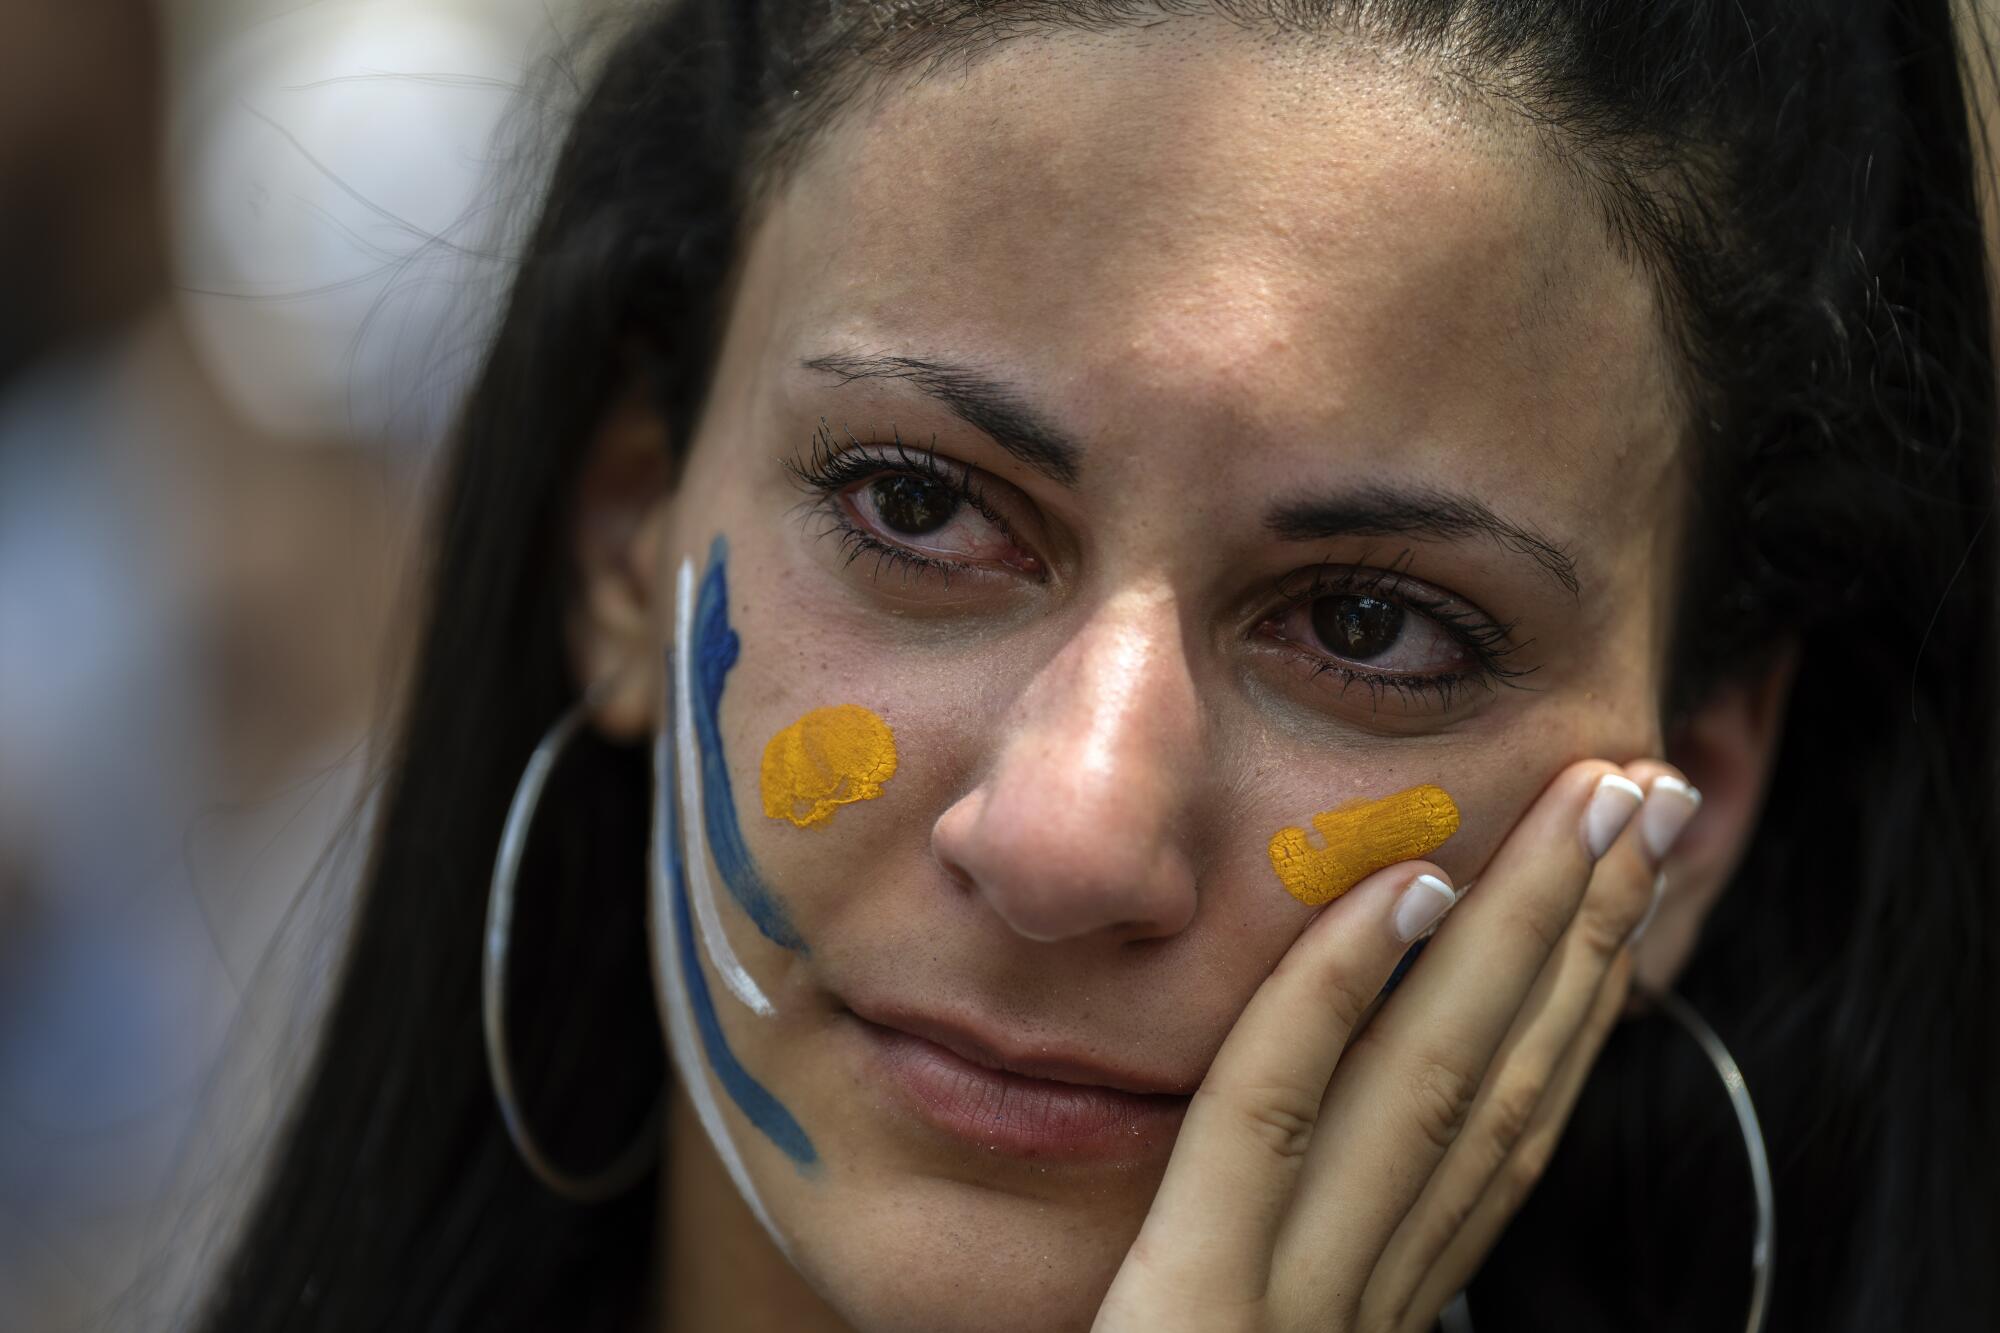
[(1800, 177)]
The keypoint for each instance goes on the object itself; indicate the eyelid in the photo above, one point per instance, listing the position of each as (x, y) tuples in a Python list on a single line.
[(833, 472), (1393, 584), (1414, 629), (1487, 641), (969, 486), (830, 466)]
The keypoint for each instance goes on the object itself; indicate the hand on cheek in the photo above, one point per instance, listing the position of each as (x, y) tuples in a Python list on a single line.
[(1336, 1181)]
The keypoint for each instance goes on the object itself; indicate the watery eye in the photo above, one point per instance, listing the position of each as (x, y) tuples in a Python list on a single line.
[(1360, 629), (912, 506), (936, 517), (1386, 636)]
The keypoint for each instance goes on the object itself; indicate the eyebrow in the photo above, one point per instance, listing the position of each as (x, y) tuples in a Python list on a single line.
[(986, 404), (1420, 512), (995, 408)]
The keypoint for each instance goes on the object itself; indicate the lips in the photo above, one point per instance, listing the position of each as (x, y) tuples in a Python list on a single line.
[(1005, 1099)]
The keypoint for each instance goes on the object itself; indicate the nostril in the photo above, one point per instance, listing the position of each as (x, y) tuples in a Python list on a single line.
[(1053, 905), (958, 875), (1042, 905), (1040, 934)]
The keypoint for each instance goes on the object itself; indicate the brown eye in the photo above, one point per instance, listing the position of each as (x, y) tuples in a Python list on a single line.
[(912, 506), (1357, 628)]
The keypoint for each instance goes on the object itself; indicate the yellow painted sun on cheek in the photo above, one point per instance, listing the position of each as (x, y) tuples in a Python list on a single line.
[(1359, 838), (829, 758)]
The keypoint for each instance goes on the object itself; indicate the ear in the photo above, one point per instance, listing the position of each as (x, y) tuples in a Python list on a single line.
[(617, 531), (1727, 747)]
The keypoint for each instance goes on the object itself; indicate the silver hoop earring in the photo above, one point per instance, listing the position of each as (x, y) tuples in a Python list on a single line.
[(636, 1160), (1456, 1318)]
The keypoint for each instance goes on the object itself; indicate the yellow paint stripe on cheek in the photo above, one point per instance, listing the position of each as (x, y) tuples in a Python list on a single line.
[(829, 758), (1360, 838)]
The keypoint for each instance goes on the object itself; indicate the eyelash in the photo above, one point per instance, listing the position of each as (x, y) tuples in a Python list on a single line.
[(826, 469), (1487, 642)]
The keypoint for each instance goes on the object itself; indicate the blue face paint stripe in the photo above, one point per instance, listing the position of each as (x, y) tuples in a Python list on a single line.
[(752, 1098), (715, 650)]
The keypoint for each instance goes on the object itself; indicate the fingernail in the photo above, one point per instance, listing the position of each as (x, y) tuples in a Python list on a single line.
[(1659, 892), (1611, 808), (1669, 807), (1423, 901)]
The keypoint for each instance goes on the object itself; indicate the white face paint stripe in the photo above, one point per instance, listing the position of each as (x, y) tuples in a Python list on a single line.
[(681, 1038), (701, 881)]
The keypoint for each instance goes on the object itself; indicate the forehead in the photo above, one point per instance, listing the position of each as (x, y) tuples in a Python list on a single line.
[(1308, 248)]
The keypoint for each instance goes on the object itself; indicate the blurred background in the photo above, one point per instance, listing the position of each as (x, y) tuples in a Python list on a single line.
[(248, 252)]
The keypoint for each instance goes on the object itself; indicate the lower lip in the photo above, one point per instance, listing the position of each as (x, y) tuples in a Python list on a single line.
[(1024, 1117)]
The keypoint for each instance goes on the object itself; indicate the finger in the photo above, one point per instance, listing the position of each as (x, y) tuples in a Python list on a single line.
[(1409, 1080), (1207, 1238), (1517, 1177), (1403, 965), (1542, 1035)]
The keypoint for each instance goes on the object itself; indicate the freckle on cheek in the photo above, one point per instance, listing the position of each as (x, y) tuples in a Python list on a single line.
[(829, 758), (1360, 838)]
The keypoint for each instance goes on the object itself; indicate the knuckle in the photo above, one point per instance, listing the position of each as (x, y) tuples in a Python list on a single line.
[(1445, 1218), (1541, 925), (1628, 894), (1523, 1170), (1604, 924), (1441, 1097), (1345, 997), (1510, 1110), (1278, 1117)]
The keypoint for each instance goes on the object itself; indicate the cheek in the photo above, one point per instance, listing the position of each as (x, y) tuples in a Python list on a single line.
[(836, 764), (1359, 838), (1495, 781), (831, 757)]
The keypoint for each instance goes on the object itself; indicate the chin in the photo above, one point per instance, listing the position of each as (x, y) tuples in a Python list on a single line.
[(932, 1255)]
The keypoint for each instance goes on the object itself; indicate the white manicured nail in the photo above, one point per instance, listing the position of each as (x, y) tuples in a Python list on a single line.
[(1669, 806), (1611, 808), (1423, 901), (1659, 892)]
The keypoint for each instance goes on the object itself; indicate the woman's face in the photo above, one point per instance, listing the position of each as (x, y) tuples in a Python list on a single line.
[(1274, 434)]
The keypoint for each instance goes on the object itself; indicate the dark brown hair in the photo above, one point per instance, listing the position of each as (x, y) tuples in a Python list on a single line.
[(1799, 175)]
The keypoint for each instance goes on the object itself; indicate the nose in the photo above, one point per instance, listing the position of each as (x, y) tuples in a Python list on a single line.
[(1079, 824)]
